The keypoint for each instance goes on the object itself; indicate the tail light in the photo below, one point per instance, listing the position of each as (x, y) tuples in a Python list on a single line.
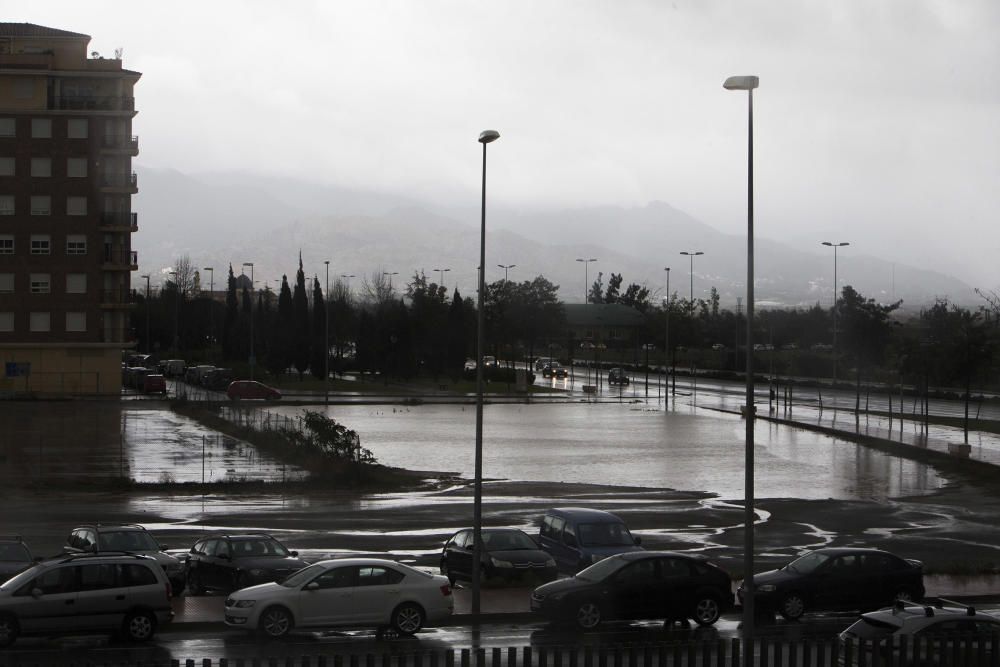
[(446, 590)]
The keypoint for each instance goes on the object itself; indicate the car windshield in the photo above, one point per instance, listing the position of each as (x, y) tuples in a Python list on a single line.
[(303, 576), (602, 569), (127, 540), (870, 628), (606, 534), (19, 579), (16, 553), (258, 547), (808, 563), (508, 541)]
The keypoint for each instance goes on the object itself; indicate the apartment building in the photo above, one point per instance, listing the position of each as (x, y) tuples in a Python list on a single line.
[(66, 219)]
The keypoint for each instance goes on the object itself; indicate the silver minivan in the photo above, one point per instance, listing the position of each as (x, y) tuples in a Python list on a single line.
[(126, 595)]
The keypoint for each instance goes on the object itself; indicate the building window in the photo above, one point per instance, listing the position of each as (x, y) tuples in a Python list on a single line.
[(6, 166), (76, 244), (40, 283), (6, 204), (41, 205), (76, 283), (41, 128), (76, 128), (6, 283), (76, 321), (7, 127), (76, 167), (6, 321), (41, 167), (76, 206), (41, 244), (39, 322), (6, 244)]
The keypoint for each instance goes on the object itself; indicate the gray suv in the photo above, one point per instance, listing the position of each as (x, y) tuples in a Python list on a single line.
[(126, 537), (127, 595)]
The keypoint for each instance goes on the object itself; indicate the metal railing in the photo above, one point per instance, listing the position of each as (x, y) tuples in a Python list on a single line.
[(120, 296), (121, 141), (121, 256), (121, 180), (120, 219), (92, 102)]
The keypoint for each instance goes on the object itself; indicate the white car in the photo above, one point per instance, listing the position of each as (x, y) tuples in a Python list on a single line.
[(349, 592)]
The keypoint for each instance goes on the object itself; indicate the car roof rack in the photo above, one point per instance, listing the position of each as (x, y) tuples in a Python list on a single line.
[(102, 554), (969, 609)]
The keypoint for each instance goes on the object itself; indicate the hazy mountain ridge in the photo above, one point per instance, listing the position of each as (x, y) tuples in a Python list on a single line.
[(218, 219)]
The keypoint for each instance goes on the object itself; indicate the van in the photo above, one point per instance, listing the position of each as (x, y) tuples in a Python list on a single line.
[(578, 537), (123, 594), (173, 367)]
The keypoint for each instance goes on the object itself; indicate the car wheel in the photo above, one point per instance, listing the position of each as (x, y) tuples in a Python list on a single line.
[(588, 615), (9, 630), (445, 571), (275, 622), (792, 606), (706, 610), (407, 618), (194, 585), (139, 626)]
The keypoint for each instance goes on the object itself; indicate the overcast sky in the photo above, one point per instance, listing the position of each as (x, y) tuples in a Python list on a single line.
[(876, 123)]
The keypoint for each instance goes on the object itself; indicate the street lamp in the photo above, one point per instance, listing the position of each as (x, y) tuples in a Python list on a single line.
[(748, 83), (666, 339), (506, 268), (253, 287), (586, 286), (835, 284), (390, 274), (149, 344), (211, 296), (326, 333), (692, 255), (347, 277), (485, 137), (441, 273), (177, 310)]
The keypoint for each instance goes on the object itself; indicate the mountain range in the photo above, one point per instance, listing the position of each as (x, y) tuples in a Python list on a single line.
[(218, 219)]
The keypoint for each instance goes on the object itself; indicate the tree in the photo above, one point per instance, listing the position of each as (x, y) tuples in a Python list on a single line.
[(185, 278), (458, 337), (614, 285), (229, 324), (596, 289), (318, 359), (281, 349), (300, 323), (866, 329), (375, 288), (637, 297)]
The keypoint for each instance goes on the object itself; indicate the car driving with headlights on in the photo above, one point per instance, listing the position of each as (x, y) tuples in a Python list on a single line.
[(638, 585), (837, 579), (348, 592), (508, 554)]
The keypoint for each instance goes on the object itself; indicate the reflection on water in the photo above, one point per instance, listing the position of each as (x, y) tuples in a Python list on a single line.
[(613, 444)]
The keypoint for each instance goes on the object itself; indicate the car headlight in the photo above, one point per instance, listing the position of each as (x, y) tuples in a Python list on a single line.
[(258, 572), (766, 588), (500, 563), (244, 604)]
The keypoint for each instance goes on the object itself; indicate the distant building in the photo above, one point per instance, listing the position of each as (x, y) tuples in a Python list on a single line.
[(66, 219)]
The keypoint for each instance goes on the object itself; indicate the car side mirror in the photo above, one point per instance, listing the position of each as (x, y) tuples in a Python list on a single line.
[(164, 547), (311, 586), (294, 553), (470, 547), (36, 592), (638, 540)]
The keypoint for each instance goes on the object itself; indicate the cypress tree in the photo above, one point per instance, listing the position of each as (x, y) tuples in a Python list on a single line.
[(232, 314), (300, 323), (317, 361)]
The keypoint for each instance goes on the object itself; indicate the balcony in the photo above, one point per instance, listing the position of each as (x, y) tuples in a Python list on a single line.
[(120, 183), (123, 142), (120, 297), (117, 258), (91, 103), (119, 221)]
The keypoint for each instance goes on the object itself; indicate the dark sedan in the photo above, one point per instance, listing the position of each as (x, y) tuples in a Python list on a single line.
[(638, 585), (838, 579), (231, 562), (508, 554)]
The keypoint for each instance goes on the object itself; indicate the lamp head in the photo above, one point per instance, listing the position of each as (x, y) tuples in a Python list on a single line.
[(208, 268), (741, 83), (488, 136)]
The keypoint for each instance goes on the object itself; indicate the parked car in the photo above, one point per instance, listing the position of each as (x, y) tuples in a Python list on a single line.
[(219, 379), (507, 554), (835, 579), (229, 562), (14, 556), (126, 594), (154, 384), (172, 367), (578, 537), (642, 585), (617, 376), (194, 374), (126, 537), (540, 363), (883, 631), (489, 361), (348, 592), (553, 369), (251, 390)]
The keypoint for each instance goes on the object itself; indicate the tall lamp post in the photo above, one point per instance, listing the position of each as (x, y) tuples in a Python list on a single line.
[(506, 268), (177, 311), (487, 136), (149, 344), (441, 273), (253, 286), (586, 285), (748, 83), (390, 274), (347, 277), (835, 285), (326, 333), (692, 255), (211, 300), (666, 339)]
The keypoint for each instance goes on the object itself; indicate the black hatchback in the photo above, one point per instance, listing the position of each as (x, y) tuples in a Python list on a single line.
[(838, 579), (231, 562), (638, 585), (508, 554)]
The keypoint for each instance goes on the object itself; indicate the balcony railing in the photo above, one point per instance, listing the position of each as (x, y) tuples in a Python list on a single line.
[(92, 103), (121, 296), (121, 257), (121, 180), (120, 219), (121, 141)]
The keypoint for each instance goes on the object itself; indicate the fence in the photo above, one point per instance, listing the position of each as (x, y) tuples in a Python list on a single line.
[(948, 651)]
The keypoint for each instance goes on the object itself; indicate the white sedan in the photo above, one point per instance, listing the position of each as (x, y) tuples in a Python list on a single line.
[(349, 592)]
